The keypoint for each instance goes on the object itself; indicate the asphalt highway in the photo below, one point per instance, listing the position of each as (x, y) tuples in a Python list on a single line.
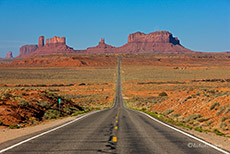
[(115, 130)]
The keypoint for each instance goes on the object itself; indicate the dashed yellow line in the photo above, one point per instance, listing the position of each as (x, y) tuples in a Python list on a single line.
[(114, 139), (116, 127), (118, 112)]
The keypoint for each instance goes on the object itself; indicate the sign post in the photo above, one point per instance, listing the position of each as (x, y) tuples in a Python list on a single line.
[(59, 102)]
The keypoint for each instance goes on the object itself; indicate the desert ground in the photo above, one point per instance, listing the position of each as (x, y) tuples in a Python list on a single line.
[(30, 94), (190, 91)]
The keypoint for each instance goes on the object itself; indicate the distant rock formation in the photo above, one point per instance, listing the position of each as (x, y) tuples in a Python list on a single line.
[(102, 47), (55, 41), (41, 41), (155, 42), (9, 55), (26, 50), (155, 37), (53, 45)]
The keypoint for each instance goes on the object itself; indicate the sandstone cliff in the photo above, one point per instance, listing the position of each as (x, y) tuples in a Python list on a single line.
[(155, 42), (56, 41), (53, 45), (154, 37), (26, 50)]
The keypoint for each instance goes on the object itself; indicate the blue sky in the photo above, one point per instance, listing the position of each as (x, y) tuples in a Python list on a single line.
[(200, 25)]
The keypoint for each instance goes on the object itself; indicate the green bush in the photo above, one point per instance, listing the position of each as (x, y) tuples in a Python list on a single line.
[(187, 98), (163, 94), (175, 115), (192, 117), (209, 122), (214, 105), (167, 112), (176, 68), (193, 96), (80, 112), (44, 104), (211, 91), (52, 114), (227, 110), (202, 119), (198, 129), (50, 93), (225, 118), (222, 108), (14, 126), (218, 132), (44, 94), (6, 96), (223, 125), (24, 103), (67, 110)]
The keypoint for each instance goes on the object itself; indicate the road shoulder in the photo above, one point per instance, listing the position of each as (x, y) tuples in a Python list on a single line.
[(7, 134)]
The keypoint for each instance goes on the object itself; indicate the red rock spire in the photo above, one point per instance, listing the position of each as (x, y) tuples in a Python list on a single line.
[(102, 41), (41, 41)]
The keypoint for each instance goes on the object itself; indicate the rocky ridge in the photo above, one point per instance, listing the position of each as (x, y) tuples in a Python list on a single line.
[(155, 42)]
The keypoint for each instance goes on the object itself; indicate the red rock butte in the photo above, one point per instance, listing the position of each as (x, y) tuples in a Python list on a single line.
[(155, 42), (53, 45)]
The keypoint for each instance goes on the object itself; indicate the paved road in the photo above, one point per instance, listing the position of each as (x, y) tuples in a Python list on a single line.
[(116, 130)]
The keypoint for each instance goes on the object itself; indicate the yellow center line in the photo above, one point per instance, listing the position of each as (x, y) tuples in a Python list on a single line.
[(116, 127), (116, 121), (114, 139)]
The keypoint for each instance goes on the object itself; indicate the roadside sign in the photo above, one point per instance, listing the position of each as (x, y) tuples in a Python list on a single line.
[(59, 100)]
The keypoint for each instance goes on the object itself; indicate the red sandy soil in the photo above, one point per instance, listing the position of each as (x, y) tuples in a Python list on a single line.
[(72, 60), (186, 103), (21, 106)]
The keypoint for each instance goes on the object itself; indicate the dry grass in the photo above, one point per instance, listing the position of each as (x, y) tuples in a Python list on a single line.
[(90, 88), (142, 85), (56, 75)]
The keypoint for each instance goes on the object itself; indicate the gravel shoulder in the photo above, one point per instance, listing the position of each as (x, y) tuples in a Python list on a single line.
[(219, 141), (7, 134)]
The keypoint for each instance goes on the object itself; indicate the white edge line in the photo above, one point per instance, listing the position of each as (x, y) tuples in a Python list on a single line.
[(182, 132), (29, 139)]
